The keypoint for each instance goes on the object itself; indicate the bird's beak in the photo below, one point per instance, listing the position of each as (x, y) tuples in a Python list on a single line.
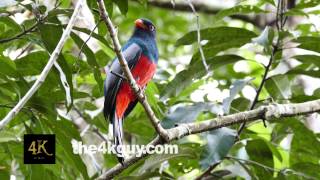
[(139, 23)]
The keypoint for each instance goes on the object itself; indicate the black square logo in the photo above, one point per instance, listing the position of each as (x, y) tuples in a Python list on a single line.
[(39, 149)]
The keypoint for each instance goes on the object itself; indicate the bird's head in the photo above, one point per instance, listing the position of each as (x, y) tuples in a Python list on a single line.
[(145, 26)]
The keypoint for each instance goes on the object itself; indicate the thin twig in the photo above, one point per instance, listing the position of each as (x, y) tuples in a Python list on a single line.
[(199, 37), (207, 172), (24, 50), (18, 36), (239, 160), (264, 79), (119, 75), (46, 69), (85, 42), (124, 66), (276, 48), (267, 69)]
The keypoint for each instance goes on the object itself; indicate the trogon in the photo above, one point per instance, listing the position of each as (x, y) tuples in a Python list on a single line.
[(141, 54)]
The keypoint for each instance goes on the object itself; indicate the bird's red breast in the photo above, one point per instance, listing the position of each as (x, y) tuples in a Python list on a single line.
[(143, 73)]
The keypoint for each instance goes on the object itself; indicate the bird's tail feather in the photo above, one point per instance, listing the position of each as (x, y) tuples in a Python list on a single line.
[(118, 136)]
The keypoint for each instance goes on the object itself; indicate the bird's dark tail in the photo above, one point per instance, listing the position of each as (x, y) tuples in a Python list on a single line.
[(117, 137)]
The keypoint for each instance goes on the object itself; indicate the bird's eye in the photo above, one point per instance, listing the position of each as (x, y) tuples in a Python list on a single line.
[(151, 28)]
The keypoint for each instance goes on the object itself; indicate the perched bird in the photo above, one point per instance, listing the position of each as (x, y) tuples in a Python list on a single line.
[(141, 54)]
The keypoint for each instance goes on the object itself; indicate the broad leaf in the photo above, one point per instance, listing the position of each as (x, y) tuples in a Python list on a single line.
[(265, 39), (314, 59), (237, 86), (305, 147), (307, 170), (186, 114), (123, 5), (51, 35), (156, 159), (186, 77), (240, 9), (7, 67), (219, 142), (91, 59), (309, 43), (259, 151), (298, 71), (279, 87), (217, 35)]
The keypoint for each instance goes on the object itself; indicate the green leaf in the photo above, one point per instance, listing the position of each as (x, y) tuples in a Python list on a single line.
[(296, 12), (265, 38), (259, 151), (212, 48), (279, 87), (150, 92), (219, 142), (237, 86), (6, 136), (298, 71), (91, 59), (217, 35), (262, 2), (51, 35), (7, 66), (32, 64), (305, 147), (314, 59), (55, 12), (307, 170), (12, 27), (109, 6), (157, 159), (95, 35), (240, 104), (240, 9), (123, 5), (220, 173), (66, 131), (186, 77), (307, 4), (186, 114), (309, 43)]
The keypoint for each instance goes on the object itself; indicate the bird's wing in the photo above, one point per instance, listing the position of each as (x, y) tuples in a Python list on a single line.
[(132, 53)]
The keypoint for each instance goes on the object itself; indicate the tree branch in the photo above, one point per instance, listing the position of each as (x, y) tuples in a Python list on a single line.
[(276, 47), (124, 66), (273, 111), (199, 7), (20, 34), (46, 69)]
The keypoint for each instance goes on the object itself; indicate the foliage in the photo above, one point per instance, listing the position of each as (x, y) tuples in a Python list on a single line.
[(181, 92)]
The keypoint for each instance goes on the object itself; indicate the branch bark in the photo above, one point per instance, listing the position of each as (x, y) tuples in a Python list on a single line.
[(273, 111), (46, 69), (199, 7), (124, 65)]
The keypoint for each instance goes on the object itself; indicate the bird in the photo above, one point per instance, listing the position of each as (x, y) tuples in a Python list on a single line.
[(141, 54)]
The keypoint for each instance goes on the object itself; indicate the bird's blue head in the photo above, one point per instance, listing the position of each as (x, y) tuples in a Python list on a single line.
[(145, 26)]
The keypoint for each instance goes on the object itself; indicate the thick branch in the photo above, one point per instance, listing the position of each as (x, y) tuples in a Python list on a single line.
[(130, 79), (46, 69), (273, 111), (199, 7)]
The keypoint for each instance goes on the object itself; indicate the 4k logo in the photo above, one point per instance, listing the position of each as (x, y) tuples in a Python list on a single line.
[(39, 149)]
